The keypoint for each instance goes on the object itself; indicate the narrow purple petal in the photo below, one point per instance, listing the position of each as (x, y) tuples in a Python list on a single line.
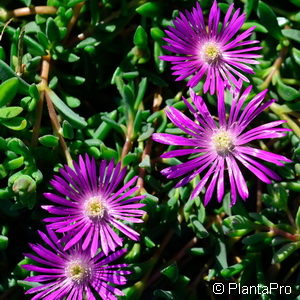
[(170, 139), (264, 155), (203, 181)]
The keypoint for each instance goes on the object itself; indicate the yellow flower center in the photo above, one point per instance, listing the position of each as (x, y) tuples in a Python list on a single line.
[(222, 142), (211, 52), (94, 207), (77, 271)]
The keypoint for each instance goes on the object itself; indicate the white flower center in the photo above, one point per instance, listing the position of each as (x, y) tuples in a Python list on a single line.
[(222, 142), (94, 208), (210, 52), (77, 271)]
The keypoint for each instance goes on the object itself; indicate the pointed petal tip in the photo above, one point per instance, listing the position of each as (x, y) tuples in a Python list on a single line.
[(155, 136), (206, 201), (194, 195), (67, 247), (46, 207)]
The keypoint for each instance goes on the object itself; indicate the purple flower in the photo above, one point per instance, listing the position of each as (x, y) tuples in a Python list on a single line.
[(210, 49), (94, 205), (221, 147), (73, 274)]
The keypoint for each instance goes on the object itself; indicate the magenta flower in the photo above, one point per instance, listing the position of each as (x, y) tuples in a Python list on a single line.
[(94, 205), (221, 147), (210, 49), (73, 274)]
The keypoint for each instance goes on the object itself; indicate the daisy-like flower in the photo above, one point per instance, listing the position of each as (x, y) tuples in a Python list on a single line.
[(221, 147), (210, 50), (73, 274), (94, 205)]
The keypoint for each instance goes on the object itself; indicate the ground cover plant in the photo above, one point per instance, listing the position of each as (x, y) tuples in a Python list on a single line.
[(149, 149)]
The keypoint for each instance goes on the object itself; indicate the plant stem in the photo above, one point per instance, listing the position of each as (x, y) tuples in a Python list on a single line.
[(129, 135), (144, 282), (33, 10), (275, 68), (76, 13), (147, 150), (287, 235), (291, 272), (290, 217), (194, 284), (4, 27), (142, 171), (277, 110), (175, 258), (39, 110), (81, 36), (57, 128), (128, 142), (275, 107)]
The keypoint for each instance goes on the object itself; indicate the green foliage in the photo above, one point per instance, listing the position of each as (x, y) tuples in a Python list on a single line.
[(268, 19), (149, 9), (8, 90), (49, 140), (87, 77)]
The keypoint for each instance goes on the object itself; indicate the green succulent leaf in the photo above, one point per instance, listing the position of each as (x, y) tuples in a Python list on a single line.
[(238, 222), (68, 131), (168, 295), (171, 272), (34, 47), (16, 123), (145, 163), (149, 9), (18, 146), (296, 55), (148, 242), (200, 230), (157, 34), (3, 242), (70, 116), (23, 185), (292, 34), (10, 112), (268, 20), (258, 27), (232, 270), (140, 38), (6, 73), (49, 140), (21, 272), (90, 41), (285, 251), (297, 219), (250, 5), (34, 92), (27, 285), (84, 78), (43, 40), (52, 30), (8, 90), (256, 238), (15, 163)]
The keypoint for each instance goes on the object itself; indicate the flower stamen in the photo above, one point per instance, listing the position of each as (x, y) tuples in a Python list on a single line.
[(77, 271), (210, 52), (94, 208), (222, 142)]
